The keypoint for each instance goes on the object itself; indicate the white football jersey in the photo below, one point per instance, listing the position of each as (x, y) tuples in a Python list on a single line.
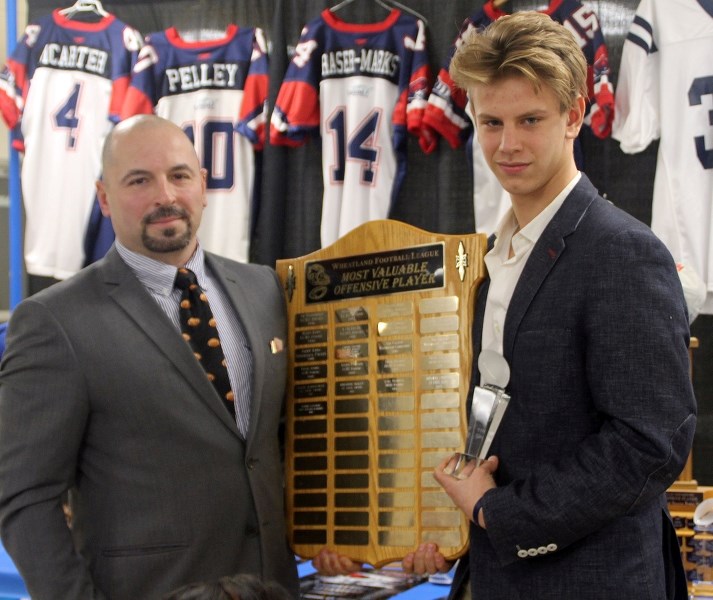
[(216, 90), (61, 92), (665, 91), (363, 89)]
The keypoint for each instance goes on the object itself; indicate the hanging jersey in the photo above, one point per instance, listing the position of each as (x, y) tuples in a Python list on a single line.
[(363, 88), (216, 91), (447, 111), (665, 91), (60, 92)]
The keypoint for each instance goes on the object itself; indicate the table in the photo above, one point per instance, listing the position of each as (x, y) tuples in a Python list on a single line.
[(11, 585), (425, 591), (13, 588)]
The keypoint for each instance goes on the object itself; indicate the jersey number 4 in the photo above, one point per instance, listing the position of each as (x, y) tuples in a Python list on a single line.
[(66, 116)]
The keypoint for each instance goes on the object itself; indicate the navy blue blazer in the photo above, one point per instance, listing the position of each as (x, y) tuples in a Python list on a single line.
[(601, 419)]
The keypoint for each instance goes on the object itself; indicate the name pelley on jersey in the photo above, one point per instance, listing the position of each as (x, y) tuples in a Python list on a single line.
[(217, 91)]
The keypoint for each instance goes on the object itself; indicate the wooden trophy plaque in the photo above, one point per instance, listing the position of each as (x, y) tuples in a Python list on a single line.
[(380, 356)]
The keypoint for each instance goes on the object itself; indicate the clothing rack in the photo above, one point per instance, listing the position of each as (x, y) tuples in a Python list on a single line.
[(388, 5), (80, 6), (15, 267)]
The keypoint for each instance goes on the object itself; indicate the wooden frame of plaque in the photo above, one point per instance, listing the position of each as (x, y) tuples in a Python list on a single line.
[(380, 356)]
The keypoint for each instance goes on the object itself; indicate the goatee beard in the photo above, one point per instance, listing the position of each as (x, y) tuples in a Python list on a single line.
[(169, 240)]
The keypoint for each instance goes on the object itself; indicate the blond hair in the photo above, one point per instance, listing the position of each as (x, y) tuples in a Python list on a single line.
[(528, 44)]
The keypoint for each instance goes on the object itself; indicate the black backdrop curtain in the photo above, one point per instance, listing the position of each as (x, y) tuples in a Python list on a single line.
[(437, 194)]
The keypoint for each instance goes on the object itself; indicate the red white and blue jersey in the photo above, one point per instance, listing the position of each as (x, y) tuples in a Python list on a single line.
[(363, 88), (61, 92), (665, 90), (447, 111), (216, 91)]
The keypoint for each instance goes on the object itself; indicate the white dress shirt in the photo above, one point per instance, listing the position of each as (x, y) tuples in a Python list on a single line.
[(504, 271)]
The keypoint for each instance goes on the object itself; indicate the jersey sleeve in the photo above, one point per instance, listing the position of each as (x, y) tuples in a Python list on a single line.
[(637, 121), (15, 82), (584, 25), (295, 117), (413, 99), (122, 68), (141, 97), (253, 109), (445, 113)]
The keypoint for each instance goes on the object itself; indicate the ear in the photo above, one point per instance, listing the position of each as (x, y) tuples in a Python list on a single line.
[(101, 196), (575, 117), (204, 183)]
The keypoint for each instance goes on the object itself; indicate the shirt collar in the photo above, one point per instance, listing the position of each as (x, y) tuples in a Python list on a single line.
[(157, 276), (507, 227)]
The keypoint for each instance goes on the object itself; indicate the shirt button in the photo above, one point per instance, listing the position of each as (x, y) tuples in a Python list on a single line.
[(551, 547), (522, 553)]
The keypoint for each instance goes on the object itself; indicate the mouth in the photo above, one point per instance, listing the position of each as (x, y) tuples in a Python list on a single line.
[(164, 220), (163, 216), (512, 168)]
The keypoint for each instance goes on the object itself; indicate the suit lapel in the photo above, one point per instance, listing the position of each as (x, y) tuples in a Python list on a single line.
[(128, 292), (544, 255)]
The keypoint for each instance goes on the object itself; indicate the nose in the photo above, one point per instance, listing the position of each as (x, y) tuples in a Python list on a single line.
[(509, 139), (166, 193)]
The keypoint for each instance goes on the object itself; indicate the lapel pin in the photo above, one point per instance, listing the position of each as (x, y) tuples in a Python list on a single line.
[(276, 345)]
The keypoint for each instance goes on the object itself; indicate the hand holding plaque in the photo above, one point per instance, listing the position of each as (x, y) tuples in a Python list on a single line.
[(487, 409)]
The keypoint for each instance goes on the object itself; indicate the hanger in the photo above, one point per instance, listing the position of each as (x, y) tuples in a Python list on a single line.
[(387, 5), (85, 6)]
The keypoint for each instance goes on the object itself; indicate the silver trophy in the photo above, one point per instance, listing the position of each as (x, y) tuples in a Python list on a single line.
[(487, 409)]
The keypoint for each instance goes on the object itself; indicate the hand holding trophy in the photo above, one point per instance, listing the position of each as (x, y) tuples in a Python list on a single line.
[(487, 409)]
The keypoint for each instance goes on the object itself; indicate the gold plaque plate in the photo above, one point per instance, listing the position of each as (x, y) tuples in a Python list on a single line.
[(380, 357)]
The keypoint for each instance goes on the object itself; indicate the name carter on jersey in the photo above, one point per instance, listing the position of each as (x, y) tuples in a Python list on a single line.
[(82, 58), (373, 62), (193, 77)]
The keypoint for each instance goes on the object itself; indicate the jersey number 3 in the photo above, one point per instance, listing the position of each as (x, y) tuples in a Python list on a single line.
[(702, 86)]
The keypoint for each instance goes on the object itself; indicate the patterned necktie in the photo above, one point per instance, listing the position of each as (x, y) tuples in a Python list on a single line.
[(199, 330)]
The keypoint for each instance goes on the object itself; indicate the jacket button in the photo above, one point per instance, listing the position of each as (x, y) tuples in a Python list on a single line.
[(522, 553), (251, 463), (551, 547), (532, 552), (542, 550)]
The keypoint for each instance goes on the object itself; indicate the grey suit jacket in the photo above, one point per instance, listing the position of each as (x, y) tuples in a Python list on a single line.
[(99, 391), (601, 419)]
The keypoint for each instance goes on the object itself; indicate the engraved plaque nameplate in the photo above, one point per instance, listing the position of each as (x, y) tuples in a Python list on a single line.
[(311, 319), (310, 354), (310, 336), (380, 355)]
